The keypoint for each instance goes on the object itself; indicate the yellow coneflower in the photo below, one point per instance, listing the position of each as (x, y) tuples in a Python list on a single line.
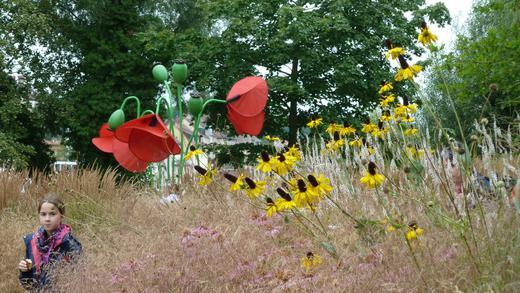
[(193, 153), (335, 144), (368, 127), (386, 100), (404, 118), (310, 262), (414, 231), (346, 130), (408, 72), (410, 131), (412, 108), (414, 152), (385, 87), (371, 150), (254, 188), (372, 178), (320, 185), (357, 143), (380, 132), (238, 183), (295, 152), (314, 123), (271, 207), (271, 138), (303, 196), (206, 175), (410, 150), (400, 110), (395, 52), (333, 127), (390, 226), (426, 37), (265, 163), (386, 116), (293, 184), (283, 164), (285, 202)]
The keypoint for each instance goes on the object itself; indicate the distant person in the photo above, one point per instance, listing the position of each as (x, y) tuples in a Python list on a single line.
[(50, 244)]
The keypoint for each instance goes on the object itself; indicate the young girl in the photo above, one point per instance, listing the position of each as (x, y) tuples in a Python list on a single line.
[(44, 248)]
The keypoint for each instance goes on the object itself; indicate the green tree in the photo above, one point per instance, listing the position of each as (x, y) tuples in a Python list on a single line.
[(101, 63), (22, 126), (482, 74), (320, 57)]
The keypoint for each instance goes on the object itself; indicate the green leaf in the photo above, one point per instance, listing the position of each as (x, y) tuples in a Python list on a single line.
[(329, 248)]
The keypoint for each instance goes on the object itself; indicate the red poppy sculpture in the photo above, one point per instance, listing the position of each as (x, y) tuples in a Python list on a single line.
[(138, 142), (246, 102), (108, 143), (148, 138)]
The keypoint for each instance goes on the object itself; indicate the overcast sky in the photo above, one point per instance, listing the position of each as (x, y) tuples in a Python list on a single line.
[(459, 10)]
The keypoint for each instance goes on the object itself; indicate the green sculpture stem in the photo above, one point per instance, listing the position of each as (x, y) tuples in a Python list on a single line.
[(171, 126), (170, 118), (147, 112), (138, 102), (197, 120), (179, 109)]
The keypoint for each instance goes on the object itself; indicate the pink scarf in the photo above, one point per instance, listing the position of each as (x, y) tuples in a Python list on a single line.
[(43, 247)]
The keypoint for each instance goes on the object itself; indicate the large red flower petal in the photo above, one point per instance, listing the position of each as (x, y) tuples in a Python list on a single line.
[(104, 141), (126, 158), (105, 131), (148, 138), (151, 148), (246, 125), (248, 96)]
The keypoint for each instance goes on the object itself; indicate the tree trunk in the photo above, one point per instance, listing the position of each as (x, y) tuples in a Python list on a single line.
[(293, 105)]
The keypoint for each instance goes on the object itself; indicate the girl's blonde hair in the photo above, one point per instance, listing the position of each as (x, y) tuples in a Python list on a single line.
[(54, 199)]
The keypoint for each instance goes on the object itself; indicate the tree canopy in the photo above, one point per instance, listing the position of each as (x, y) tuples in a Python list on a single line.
[(22, 125), (320, 57)]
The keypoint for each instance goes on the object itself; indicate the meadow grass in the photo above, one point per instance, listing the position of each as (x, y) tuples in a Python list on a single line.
[(221, 241)]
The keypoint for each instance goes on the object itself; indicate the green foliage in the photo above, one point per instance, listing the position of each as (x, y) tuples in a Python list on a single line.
[(110, 65), (482, 74), (237, 155), (21, 128)]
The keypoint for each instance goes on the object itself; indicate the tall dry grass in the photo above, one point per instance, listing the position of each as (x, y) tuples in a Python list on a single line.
[(214, 240)]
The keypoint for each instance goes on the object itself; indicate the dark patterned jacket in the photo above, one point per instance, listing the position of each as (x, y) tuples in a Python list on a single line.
[(36, 279)]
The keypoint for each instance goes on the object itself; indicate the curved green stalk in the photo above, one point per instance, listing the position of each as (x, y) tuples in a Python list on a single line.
[(138, 102), (171, 127), (170, 118), (197, 120), (179, 111), (147, 112)]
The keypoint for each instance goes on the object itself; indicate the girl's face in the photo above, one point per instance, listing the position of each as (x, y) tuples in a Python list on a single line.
[(50, 217)]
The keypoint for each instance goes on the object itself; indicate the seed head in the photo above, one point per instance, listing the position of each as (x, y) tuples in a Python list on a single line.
[(201, 170), (372, 168), (336, 136), (265, 157), (250, 182), (313, 180), (283, 194), (301, 185), (230, 177)]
